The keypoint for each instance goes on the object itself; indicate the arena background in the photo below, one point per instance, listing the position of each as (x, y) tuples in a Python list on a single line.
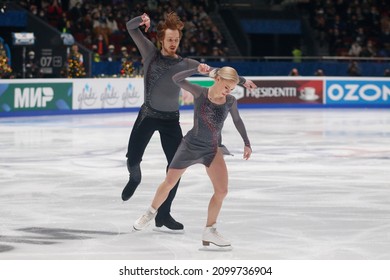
[(316, 187)]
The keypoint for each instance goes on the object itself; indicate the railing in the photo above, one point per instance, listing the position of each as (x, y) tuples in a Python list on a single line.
[(249, 4), (281, 65), (290, 58)]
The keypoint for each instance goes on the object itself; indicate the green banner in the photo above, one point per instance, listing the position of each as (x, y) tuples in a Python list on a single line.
[(187, 98), (19, 97), (203, 83)]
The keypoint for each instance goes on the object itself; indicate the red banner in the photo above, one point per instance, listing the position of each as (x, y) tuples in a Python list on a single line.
[(283, 91)]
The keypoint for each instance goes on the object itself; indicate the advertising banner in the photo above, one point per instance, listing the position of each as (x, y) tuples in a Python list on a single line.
[(269, 91), (107, 93), (60, 96), (286, 91), (18, 97), (357, 92)]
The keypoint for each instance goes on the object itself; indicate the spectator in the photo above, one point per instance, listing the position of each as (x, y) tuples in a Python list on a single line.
[(75, 64), (102, 32), (112, 25), (75, 52), (95, 55), (64, 24), (355, 49), (297, 54), (368, 50), (42, 15), (353, 69), (101, 45), (320, 26), (34, 10), (360, 35), (137, 61), (216, 52), (76, 13), (294, 72), (124, 55), (111, 56), (127, 66), (319, 72), (32, 67), (54, 13)]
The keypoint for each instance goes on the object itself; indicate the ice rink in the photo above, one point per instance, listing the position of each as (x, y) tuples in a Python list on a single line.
[(316, 188)]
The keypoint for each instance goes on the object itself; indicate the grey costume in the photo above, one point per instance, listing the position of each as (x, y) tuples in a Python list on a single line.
[(160, 112), (200, 144)]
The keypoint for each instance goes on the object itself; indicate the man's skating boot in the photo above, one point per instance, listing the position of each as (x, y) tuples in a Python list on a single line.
[(169, 222), (134, 181)]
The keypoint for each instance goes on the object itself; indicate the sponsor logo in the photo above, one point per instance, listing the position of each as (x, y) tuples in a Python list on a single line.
[(130, 95), (357, 92), (30, 97), (262, 92), (308, 94), (109, 96), (87, 97)]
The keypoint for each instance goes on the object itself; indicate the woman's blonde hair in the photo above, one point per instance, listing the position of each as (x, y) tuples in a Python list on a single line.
[(172, 21), (226, 73)]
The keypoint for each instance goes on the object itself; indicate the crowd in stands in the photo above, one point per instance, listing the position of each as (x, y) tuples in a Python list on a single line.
[(356, 28), (349, 28), (100, 25)]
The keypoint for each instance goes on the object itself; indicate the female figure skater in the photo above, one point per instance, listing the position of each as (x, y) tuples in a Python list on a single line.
[(200, 145)]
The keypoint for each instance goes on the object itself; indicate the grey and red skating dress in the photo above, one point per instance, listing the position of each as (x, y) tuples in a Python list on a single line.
[(200, 144)]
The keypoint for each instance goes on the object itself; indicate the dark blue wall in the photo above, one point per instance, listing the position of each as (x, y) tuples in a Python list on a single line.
[(331, 68), (13, 19)]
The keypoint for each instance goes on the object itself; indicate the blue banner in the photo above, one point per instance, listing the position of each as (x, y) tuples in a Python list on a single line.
[(357, 92), (13, 19), (264, 26)]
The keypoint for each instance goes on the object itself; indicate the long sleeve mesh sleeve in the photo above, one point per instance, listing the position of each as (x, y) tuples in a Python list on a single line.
[(239, 124), (180, 80), (144, 45)]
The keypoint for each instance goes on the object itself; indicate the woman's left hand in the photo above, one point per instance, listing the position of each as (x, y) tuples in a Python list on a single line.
[(249, 84), (247, 152)]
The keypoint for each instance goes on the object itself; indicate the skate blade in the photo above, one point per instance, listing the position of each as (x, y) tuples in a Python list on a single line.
[(138, 230), (214, 248), (135, 230), (164, 229)]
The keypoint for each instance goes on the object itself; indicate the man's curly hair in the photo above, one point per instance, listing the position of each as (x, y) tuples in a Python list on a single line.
[(172, 21)]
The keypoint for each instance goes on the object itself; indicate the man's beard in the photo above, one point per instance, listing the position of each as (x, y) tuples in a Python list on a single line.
[(168, 51)]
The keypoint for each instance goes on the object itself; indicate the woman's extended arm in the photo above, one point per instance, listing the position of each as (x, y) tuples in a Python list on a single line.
[(180, 80)]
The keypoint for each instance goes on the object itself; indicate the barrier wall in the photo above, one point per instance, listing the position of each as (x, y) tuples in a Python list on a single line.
[(69, 96), (331, 67), (318, 92)]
